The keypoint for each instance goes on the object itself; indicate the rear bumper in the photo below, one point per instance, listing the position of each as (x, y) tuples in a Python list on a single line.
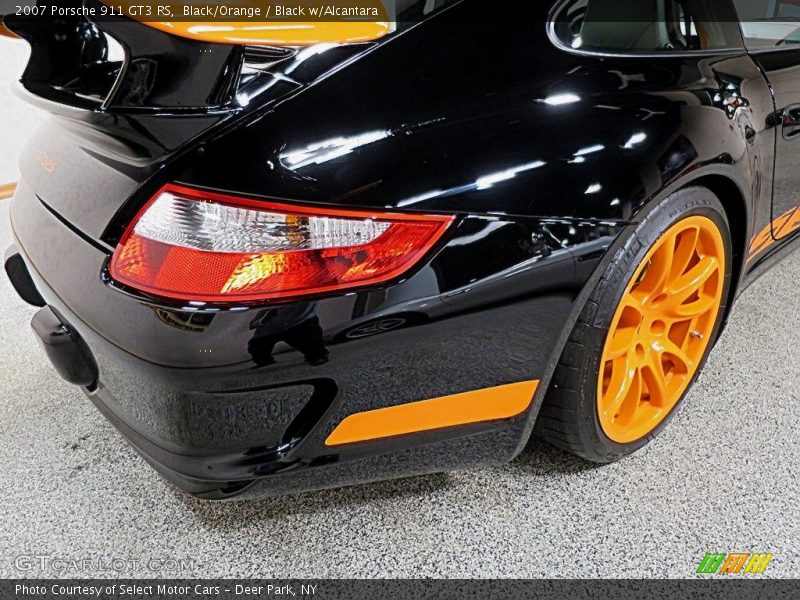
[(233, 402)]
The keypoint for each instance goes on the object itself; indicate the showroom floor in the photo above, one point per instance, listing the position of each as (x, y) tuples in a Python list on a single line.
[(724, 477)]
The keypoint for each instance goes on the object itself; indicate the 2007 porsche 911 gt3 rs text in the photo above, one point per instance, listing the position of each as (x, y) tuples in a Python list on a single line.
[(277, 264)]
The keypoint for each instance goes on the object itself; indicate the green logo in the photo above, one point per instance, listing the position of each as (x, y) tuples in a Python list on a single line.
[(734, 562)]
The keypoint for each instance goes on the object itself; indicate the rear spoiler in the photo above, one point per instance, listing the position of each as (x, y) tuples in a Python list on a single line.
[(120, 64), (5, 31), (124, 65)]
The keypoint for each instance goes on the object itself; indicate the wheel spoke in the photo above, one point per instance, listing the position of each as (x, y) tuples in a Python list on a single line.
[(658, 271), (632, 304), (620, 385), (655, 379), (693, 279), (621, 342), (677, 355), (623, 333), (684, 251), (693, 309), (629, 403)]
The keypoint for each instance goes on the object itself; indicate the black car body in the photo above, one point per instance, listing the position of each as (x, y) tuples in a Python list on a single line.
[(545, 156)]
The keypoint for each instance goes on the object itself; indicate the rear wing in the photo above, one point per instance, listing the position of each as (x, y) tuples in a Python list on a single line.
[(115, 56), (121, 64)]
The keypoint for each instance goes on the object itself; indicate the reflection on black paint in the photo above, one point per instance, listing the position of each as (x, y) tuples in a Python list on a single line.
[(194, 322), (296, 325), (680, 153)]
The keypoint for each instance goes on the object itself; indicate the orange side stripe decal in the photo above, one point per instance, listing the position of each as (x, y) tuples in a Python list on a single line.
[(775, 231), (488, 404), (7, 190)]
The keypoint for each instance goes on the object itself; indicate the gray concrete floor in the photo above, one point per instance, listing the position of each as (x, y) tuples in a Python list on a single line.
[(722, 477)]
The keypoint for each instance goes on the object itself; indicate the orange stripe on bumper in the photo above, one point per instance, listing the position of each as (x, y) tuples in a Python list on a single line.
[(487, 404), (775, 231), (7, 190)]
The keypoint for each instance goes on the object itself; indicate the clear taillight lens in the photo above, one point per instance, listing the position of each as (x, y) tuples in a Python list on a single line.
[(194, 245)]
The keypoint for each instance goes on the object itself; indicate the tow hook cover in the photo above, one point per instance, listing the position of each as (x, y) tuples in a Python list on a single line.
[(20, 277), (66, 349)]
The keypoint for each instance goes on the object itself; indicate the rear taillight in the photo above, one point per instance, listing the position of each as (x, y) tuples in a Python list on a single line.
[(200, 246)]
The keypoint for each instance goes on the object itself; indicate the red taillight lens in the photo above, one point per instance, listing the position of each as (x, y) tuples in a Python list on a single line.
[(199, 246)]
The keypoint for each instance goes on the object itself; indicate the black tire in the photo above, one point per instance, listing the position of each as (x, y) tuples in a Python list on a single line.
[(569, 418)]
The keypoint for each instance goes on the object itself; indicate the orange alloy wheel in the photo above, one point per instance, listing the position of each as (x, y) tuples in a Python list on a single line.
[(661, 329)]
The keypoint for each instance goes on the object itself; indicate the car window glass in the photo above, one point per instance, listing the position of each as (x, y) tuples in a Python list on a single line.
[(645, 26), (770, 23)]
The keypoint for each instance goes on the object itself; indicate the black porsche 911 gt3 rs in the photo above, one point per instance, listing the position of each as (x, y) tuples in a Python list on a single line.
[(282, 260)]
